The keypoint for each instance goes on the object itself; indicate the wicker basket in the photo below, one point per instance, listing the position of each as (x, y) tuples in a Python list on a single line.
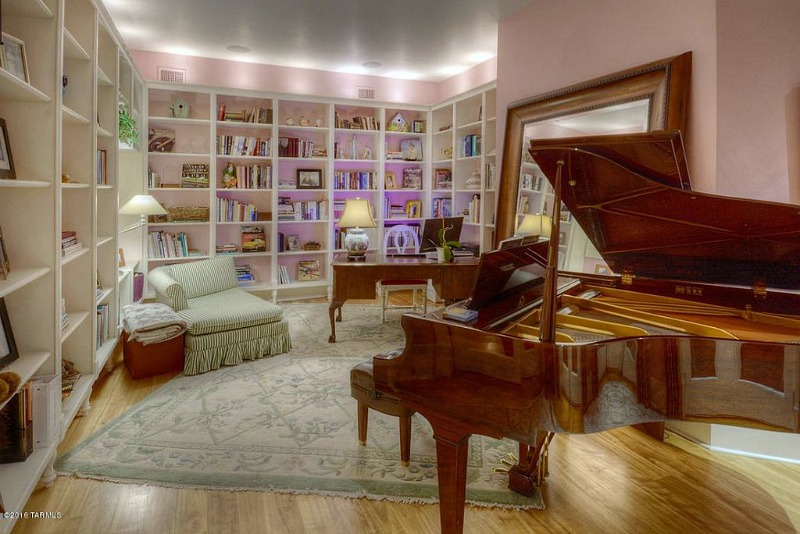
[(188, 213)]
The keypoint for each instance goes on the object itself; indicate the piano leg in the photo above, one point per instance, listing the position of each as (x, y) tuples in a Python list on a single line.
[(452, 447), (531, 470)]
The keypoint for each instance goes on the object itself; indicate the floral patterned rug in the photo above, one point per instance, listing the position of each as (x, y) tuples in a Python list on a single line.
[(285, 423)]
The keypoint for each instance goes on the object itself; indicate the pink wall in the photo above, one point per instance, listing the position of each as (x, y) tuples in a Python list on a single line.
[(239, 75), (555, 43), (758, 100), (461, 83)]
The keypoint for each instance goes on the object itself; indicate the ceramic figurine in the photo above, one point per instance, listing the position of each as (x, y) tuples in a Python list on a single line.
[(229, 176), (290, 122), (303, 121), (318, 123)]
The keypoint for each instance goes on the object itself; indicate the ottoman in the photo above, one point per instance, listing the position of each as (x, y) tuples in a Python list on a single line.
[(144, 361)]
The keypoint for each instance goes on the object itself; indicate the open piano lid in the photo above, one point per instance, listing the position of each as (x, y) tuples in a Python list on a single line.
[(631, 195)]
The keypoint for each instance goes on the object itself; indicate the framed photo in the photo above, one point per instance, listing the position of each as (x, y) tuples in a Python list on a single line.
[(601, 269), (8, 347), (411, 149), (292, 242), (5, 263), (309, 178), (390, 181), (412, 178), (413, 209), (14, 59), (121, 257), (442, 179), (6, 161), (308, 270)]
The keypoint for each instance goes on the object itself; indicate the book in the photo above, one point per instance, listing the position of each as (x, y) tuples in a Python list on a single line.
[(460, 313), (308, 270), (254, 239)]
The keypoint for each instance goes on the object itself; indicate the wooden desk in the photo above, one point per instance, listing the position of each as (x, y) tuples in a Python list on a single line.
[(357, 279)]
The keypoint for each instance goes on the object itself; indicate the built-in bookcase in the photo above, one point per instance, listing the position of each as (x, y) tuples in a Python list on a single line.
[(317, 153), (61, 126)]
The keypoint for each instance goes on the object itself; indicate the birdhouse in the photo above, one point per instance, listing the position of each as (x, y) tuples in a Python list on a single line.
[(397, 124), (180, 109)]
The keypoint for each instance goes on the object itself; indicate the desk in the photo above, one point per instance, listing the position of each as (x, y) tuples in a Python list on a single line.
[(357, 279)]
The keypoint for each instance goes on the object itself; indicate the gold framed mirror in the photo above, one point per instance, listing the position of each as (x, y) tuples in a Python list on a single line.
[(663, 85)]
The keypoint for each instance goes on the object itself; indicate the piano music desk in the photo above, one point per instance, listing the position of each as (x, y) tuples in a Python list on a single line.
[(357, 279)]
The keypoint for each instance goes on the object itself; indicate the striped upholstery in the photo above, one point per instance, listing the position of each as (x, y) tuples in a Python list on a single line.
[(214, 312), (227, 325), (203, 277)]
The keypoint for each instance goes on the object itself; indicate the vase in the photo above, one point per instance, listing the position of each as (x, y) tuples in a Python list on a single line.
[(444, 254)]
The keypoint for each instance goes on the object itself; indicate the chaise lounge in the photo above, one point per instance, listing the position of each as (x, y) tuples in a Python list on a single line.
[(227, 325)]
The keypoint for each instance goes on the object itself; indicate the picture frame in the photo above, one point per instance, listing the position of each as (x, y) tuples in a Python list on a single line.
[(411, 149), (412, 178), (121, 257), (390, 181), (5, 262), (292, 243), (308, 270), (413, 209), (8, 346), (309, 179), (442, 179), (14, 59), (7, 171)]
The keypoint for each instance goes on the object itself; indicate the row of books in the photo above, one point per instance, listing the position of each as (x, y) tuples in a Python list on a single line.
[(470, 145), (475, 209), (69, 243), (243, 145), (355, 180), (162, 244), (302, 210), (102, 167), (441, 207), (257, 176), (256, 115), (64, 314), (283, 275), (359, 122), (104, 326), (231, 210), (244, 275), (294, 147), (531, 181)]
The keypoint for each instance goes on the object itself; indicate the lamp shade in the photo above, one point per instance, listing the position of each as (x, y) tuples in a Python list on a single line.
[(357, 214), (535, 224), (142, 205)]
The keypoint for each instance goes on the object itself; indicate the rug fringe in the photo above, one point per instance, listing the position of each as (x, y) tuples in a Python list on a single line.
[(323, 493)]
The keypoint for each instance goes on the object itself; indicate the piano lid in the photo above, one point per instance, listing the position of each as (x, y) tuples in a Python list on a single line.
[(631, 195)]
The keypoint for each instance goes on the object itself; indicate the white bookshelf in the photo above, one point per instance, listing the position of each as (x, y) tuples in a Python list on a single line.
[(54, 133), (339, 150)]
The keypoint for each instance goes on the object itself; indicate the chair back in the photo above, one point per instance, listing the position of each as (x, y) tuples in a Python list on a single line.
[(401, 239)]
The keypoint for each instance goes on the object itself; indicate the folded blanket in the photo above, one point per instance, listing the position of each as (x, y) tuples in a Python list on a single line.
[(152, 323)]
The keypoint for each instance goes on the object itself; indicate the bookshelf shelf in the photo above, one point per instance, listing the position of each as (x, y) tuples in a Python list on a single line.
[(74, 185), (33, 184), (73, 49), (78, 397), (14, 89), (25, 366), (20, 277), (103, 240), (75, 320), (105, 351), (104, 294), (72, 116), (20, 479), (74, 256)]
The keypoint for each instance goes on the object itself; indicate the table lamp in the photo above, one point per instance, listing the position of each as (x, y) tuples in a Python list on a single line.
[(357, 216), (142, 205), (535, 224)]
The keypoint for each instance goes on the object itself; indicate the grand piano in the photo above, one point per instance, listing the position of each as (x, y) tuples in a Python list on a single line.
[(700, 322)]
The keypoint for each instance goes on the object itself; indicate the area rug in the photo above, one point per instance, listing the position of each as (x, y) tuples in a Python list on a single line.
[(285, 423)]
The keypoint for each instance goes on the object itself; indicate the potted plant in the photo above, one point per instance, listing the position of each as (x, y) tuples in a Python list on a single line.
[(128, 129), (444, 248)]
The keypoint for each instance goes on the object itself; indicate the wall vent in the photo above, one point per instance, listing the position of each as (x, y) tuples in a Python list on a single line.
[(171, 75), (366, 93)]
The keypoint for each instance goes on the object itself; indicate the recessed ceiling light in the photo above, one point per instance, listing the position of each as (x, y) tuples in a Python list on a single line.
[(371, 64), (239, 49)]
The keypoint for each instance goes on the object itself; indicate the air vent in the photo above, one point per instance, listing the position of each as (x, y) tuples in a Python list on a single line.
[(366, 93), (171, 75)]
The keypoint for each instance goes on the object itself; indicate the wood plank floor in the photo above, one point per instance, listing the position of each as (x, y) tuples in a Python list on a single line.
[(619, 481)]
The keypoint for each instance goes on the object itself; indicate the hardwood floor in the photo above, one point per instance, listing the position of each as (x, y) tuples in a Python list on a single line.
[(619, 481)]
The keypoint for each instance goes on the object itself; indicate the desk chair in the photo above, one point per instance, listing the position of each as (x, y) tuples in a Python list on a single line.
[(402, 239)]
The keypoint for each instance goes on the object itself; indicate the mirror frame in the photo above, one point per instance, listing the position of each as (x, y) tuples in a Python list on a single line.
[(664, 83)]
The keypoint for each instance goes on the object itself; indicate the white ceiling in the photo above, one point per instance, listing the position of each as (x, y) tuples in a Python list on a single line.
[(429, 40)]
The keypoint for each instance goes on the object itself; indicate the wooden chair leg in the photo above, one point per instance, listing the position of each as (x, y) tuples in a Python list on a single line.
[(405, 439), (363, 417)]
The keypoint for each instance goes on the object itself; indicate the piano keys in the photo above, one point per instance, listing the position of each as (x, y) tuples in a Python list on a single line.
[(700, 323)]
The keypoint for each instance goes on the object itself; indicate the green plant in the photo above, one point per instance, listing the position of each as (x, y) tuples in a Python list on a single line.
[(445, 244), (128, 129)]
